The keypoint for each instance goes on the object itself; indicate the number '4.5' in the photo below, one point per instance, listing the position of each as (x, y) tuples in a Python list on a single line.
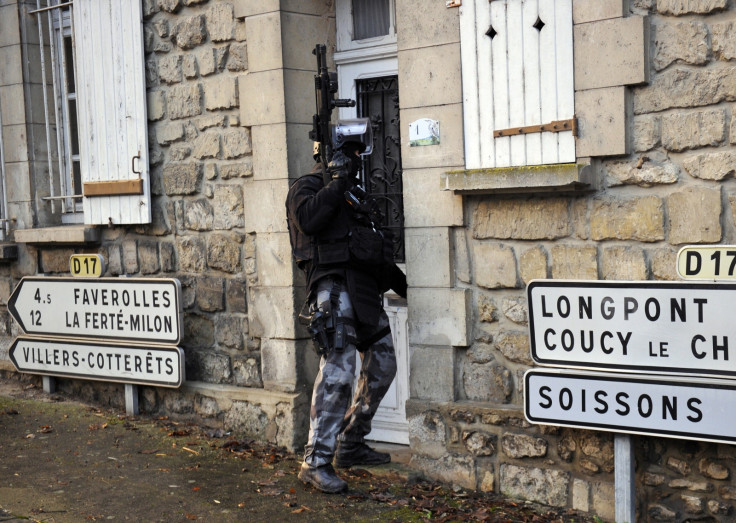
[(39, 299)]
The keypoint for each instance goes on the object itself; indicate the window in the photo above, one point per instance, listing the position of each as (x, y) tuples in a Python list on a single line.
[(518, 89), (366, 28), (92, 73)]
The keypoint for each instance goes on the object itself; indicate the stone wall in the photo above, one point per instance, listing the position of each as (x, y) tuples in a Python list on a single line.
[(671, 183)]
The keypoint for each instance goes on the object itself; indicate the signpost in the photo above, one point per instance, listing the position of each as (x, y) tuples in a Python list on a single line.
[(143, 365), (113, 329), (653, 327), (635, 404), (712, 262), (139, 309)]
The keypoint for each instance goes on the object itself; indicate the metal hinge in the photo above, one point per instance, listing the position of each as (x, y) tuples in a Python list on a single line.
[(552, 127)]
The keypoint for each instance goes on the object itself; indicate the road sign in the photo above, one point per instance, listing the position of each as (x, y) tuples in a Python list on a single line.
[(96, 360), (659, 327), (714, 262), (86, 265), (136, 309), (685, 408)]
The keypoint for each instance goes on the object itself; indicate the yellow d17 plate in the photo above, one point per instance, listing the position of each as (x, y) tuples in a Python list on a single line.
[(713, 262), (87, 265)]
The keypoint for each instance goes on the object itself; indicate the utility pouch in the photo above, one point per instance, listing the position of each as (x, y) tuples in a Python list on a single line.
[(366, 245), (333, 252)]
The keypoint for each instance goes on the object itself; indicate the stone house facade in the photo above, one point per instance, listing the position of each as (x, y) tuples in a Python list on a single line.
[(229, 102)]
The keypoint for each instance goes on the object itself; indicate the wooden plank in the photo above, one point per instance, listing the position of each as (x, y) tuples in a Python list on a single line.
[(532, 91), (515, 60), (565, 76), (548, 79), (113, 188), (470, 61), (485, 84), (500, 81)]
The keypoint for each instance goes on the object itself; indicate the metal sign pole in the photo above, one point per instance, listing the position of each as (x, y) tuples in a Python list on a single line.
[(624, 478), (131, 399), (49, 384)]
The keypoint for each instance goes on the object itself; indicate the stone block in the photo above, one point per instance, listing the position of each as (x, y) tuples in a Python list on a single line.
[(235, 295), (429, 76), (183, 101), (682, 42), (623, 263), (198, 215), (533, 219), (425, 205), (12, 70), (265, 194), (228, 208), (678, 7), (236, 143), (224, 252), (584, 11), (11, 104), (640, 219), (494, 266), (449, 152), (244, 8), (711, 166), (604, 496), (55, 260), (169, 69), (273, 259), (279, 364), (261, 98), (9, 25), (220, 22), (190, 31), (428, 257), (220, 93), (574, 263), (647, 132), (647, 171), (427, 433), (237, 57), (694, 216), (169, 133), (247, 372), (130, 256), (681, 87), (273, 311), (663, 263), (546, 486), (426, 24), (611, 53), (533, 264), (602, 127), (148, 255), (431, 374), (270, 156), (689, 130), (439, 316), (461, 257), (300, 34), (263, 34), (487, 382), (15, 144), (192, 254), (210, 295), (299, 93), (724, 46), (580, 495)]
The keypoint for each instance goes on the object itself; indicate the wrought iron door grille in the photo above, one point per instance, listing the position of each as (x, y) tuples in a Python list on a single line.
[(378, 99)]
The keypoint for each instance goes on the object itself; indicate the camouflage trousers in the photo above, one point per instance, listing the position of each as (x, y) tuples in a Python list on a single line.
[(332, 416)]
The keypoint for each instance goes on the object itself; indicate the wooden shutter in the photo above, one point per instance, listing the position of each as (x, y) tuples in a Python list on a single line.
[(517, 60), (112, 111)]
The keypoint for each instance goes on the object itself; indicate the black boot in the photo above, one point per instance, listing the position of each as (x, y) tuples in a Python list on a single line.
[(358, 453), (324, 478)]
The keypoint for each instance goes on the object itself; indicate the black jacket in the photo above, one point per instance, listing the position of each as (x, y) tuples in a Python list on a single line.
[(320, 221)]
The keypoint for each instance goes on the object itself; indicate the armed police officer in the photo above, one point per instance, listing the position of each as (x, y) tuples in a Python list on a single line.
[(348, 261)]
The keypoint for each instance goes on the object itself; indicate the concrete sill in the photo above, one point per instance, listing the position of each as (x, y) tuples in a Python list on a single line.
[(62, 235), (557, 178)]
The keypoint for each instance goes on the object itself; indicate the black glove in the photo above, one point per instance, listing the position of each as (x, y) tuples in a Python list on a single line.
[(343, 166)]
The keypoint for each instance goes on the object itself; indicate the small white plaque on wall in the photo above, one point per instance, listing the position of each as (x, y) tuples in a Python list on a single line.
[(424, 131)]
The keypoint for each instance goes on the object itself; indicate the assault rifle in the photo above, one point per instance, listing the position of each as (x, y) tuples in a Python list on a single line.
[(325, 87)]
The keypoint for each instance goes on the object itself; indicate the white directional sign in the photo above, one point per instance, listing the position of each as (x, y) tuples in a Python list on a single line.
[(145, 365), (707, 262), (661, 327), (135, 309), (682, 408)]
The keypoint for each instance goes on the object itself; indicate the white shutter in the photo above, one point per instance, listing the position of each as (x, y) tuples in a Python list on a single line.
[(517, 66), (112, 111)]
